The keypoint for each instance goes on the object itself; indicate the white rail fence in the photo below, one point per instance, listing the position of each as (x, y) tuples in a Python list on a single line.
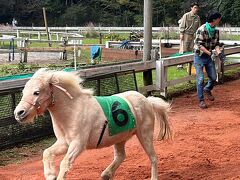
[(59, 31), (161, 66), (66, 39), (231, 30)]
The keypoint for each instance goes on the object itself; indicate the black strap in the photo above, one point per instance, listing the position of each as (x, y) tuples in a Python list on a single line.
[(103, 130)]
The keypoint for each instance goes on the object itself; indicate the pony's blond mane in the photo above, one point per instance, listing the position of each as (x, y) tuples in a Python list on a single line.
[(69, 80)]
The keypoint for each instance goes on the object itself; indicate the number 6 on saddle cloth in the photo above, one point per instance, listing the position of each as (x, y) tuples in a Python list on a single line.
[(119, 116)]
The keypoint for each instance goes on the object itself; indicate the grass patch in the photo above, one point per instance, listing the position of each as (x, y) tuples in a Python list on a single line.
[(25, 151)]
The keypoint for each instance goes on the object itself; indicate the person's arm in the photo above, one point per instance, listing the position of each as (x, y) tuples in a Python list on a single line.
[(203, 49), (182, 26), (199, 41)]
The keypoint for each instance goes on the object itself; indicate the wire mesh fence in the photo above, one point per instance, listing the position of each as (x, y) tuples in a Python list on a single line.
[(12, 133)]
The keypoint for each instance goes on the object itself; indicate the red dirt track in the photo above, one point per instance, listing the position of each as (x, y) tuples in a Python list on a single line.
[(206, 145)]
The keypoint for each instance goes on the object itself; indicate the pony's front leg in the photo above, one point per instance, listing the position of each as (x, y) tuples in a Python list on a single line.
[(49, 154), (75, 148)]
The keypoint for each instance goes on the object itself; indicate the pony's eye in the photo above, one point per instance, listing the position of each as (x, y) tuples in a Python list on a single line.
[(36, 93)]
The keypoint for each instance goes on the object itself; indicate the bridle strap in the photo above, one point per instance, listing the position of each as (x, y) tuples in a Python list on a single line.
[(37, 103), (63, 90)]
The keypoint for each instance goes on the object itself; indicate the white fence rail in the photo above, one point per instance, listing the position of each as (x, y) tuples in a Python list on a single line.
[(162, 83), (230, 30)]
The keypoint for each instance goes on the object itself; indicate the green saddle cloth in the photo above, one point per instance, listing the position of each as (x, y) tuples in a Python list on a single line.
[(119, 116)]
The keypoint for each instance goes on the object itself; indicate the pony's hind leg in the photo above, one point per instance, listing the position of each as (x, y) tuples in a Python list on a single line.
[(119, 156), (146, 139)]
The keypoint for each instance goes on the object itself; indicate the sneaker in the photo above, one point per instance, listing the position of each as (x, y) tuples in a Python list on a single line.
[(202, 105), (179, 66), (209, 95)]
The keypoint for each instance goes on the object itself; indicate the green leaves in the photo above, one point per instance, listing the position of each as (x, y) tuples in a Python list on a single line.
[(111, 12)]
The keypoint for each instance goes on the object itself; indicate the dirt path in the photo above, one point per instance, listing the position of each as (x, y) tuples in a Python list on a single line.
[(206, 146), (34, 58)]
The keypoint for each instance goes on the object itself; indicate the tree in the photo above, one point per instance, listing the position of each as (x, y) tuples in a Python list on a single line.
[(111, 12)]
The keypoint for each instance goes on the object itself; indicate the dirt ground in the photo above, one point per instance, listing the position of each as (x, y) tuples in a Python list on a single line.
[(205, 146), (34, 58), (54, 58)]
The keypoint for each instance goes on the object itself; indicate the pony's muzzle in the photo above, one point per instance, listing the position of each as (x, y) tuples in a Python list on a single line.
[(20, 115)]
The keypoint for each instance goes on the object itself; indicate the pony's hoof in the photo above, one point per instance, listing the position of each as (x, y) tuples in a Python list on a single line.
[(105, 177), (51, 178)]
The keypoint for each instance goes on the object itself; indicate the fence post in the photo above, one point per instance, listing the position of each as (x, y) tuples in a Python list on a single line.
[(107, 44), (158, 74), (164, 80), (189, 70), (57, 34), (11, 50), (65, 52), (46, 25), (147, 75), (100, 38), (25, 53), (161, 77), (39, 35), (18, 33)]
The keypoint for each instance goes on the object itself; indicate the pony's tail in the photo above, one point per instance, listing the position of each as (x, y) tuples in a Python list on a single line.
[(161, 109)]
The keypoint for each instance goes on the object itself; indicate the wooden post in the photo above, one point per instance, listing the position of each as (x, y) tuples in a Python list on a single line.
[(25, 54), (189, 70), (100, 38), (46, 25), (75, 55), (147, 30), (65, 52), (147, 75)]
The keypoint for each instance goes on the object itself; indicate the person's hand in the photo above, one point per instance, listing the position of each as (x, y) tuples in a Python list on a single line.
[(222, 57), (212, 55), (181, 36)]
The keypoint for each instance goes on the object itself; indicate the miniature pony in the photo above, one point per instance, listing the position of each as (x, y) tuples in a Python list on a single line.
[(78, 121)]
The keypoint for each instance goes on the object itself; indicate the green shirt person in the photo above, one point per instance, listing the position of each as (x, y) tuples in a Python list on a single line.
[(207, 40)]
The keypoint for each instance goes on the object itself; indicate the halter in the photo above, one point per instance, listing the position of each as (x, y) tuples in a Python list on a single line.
[(37, 103)]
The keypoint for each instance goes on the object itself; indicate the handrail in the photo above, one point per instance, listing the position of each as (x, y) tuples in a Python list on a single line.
[(162, 83), (161, 74)]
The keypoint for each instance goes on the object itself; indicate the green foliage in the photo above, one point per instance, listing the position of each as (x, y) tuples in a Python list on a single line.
[(21, 66), (74, 15), (110, 13), (115, 37), (6, 70)]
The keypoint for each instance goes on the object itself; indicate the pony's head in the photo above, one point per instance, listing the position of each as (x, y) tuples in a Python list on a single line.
[(38, 93)]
